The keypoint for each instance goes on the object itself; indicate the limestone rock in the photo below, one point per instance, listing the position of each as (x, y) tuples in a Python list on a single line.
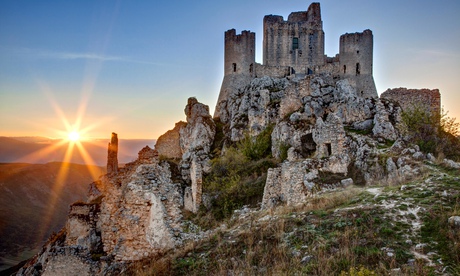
[(294, 182), (451, 164), (383, 128), (454, 221)]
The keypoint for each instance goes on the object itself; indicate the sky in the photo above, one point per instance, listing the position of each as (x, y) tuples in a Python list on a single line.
[(130, 66)]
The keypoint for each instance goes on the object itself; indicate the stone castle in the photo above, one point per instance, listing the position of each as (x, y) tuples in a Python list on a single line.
[(316, 107), (296, 47)]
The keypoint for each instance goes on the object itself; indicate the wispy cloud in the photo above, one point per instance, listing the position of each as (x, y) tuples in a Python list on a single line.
[(72, 56), (57, 55)]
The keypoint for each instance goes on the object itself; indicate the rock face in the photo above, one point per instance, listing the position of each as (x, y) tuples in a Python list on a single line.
[(196, 139), (112, 155)]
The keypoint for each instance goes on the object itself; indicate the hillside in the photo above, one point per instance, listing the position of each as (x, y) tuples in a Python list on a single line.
[(33, 204), (42, 150), (385, 230)]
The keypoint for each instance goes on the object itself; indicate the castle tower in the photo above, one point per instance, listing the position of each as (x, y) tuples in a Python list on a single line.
[(112, 155), (297, 42), (240, 53), (239, 65), (356, 56)]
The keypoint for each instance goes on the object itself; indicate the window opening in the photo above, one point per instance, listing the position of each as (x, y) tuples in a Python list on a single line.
[(251, 68), (329, 149), (357, 69), (295, 43), (344, 69), (234, 67)]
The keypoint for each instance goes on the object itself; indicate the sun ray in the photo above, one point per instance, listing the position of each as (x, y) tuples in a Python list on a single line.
[(56, 191), (88, 160)]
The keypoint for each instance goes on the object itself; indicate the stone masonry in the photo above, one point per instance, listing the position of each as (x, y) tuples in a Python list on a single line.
[(429, 100)]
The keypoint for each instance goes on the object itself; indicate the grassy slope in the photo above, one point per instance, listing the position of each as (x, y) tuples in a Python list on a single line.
[(376, 230)]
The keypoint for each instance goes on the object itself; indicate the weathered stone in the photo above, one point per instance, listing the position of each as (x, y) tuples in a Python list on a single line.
[(454, 221), (112, 155), (409, 99), (382, 125), (147, 154), (168, 144)]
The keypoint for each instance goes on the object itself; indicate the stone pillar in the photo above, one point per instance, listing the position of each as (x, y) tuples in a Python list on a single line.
[(197, 185), (112, 155)]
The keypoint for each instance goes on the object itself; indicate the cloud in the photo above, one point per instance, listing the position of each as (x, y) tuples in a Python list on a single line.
[(57, 55), (73, 56)]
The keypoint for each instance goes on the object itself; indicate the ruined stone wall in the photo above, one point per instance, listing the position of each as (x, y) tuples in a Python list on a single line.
[(356, 61), (168, 144), (427, 99), (297, 42)]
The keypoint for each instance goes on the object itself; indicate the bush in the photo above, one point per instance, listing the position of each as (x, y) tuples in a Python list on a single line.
[(432, 133), (235, 181), (238, 176), (257, 147)]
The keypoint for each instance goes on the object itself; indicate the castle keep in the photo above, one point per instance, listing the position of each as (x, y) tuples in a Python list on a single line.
[(296, 48)]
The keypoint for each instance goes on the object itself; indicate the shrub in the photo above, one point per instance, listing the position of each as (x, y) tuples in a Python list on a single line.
[(432, 133), (257, 147)]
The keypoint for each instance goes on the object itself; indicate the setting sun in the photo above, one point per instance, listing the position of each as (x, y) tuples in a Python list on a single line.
[(74, 136)]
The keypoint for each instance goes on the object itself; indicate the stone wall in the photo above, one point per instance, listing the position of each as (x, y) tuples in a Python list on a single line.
[(329, 136), (297, 42), (429, 100), (168, 144), (272, 71)]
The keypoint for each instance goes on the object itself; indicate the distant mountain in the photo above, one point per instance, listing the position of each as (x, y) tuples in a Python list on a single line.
[(34, 203), (43, 150)]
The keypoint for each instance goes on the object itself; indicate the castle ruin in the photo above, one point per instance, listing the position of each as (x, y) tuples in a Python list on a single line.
[(296, 48)]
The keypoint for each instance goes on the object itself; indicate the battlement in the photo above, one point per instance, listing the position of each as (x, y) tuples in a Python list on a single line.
[(244, 36)]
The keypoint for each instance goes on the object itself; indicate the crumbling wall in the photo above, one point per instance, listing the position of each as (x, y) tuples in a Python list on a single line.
[(329, 136), (168, 144), (427, 99)]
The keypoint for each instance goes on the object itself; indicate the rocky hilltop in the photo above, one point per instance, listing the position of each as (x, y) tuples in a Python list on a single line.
[(327, 131)]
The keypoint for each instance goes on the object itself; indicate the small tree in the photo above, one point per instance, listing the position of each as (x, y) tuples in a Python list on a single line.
[(434, 133)]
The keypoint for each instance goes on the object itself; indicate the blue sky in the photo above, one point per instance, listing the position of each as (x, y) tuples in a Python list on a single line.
[(129, 66)]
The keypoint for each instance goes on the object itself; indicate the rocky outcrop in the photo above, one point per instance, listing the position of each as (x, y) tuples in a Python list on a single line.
[(295, 181), (196, 139), (386, 118), (112, 155)]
